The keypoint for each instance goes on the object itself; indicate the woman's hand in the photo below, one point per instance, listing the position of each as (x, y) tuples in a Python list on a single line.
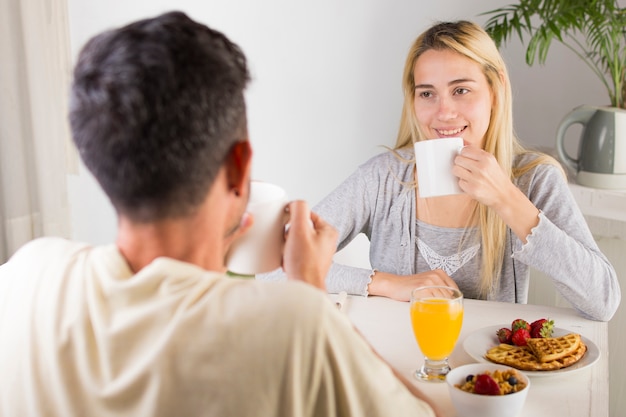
[(310, 244), (483, 179), (399, 287)]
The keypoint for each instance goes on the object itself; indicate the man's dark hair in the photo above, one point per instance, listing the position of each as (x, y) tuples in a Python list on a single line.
[(155, 108)]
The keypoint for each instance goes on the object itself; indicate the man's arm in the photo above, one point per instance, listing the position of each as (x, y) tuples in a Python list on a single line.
[(309, 248)]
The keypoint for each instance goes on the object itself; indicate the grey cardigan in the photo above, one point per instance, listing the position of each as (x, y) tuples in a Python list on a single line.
[(374, 201)]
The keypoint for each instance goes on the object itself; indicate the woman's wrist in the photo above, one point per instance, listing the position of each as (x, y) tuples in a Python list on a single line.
[(378, 283)]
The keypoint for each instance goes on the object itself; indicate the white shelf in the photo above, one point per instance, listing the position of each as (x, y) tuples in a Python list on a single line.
[(604, 210)]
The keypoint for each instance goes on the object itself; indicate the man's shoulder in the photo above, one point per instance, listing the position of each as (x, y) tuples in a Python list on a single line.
[(284, 301), (49, 247), (284, 295)]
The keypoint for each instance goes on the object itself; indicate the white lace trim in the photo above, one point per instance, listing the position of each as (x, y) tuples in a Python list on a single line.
[(369, 281), (449, 264)]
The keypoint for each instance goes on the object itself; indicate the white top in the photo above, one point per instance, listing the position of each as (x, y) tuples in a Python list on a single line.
[(84, 336), (604, 210)]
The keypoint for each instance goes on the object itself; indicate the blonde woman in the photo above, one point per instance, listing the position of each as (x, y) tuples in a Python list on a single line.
[(516, 211)]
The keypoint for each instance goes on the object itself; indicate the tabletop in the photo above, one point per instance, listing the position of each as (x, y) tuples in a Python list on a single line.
[(385, 323)]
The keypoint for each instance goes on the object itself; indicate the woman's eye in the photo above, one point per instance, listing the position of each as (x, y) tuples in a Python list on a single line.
[(461, 91), (425, 94)]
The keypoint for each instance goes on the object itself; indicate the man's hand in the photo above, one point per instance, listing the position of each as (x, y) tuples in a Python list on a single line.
[(310, 244)]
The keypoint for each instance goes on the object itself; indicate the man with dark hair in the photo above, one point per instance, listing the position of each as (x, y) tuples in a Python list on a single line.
[(151, 325)]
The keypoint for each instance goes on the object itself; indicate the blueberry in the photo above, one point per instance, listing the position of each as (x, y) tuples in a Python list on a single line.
[(469, 378), (512, 381)]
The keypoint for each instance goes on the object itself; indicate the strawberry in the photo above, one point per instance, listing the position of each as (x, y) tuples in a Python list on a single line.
[(541, 328), (520, 324), (520, 336), (486, 385), (504, 335)]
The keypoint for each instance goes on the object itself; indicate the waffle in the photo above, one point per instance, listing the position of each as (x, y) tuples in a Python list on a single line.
[(522, 357), (552, 348)]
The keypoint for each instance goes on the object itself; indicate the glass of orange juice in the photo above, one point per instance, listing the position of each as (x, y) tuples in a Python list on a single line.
[(437, 317)]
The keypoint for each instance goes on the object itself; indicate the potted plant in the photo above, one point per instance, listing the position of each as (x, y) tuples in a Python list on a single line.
[(594, 30)]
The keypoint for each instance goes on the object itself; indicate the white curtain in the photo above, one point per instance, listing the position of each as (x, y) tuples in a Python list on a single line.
[(35, 150)]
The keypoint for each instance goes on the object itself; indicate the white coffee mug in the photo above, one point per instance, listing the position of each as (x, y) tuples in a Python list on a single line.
[(260, 249), (434, 159)]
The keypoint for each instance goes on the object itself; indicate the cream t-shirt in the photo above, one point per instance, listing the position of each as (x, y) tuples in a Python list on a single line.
[(81, 335)]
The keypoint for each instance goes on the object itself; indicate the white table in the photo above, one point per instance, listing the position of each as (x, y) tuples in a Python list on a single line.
[(386, 325)]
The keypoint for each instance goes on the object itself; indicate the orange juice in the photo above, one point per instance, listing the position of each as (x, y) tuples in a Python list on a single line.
[(436, 325)]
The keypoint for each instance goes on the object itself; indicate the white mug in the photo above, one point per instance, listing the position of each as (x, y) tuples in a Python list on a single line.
[(260, 249), (434, 159)]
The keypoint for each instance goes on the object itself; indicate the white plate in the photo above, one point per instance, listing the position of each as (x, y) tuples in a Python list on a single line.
[(480, 341)]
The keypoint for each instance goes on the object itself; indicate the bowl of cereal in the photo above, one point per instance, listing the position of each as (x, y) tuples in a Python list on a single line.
[(487, 390)]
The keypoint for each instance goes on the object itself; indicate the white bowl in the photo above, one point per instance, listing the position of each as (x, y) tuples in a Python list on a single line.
[(468, 404)]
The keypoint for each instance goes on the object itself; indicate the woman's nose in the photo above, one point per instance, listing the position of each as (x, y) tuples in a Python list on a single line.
[(447, 109)]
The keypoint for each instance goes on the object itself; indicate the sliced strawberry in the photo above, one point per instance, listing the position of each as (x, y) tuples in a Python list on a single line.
[(520, 324), (504, 335), (541, 328), (486, 385), (520, 336)]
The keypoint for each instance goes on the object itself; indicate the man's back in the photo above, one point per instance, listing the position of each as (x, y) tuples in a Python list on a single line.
[(89, 337)]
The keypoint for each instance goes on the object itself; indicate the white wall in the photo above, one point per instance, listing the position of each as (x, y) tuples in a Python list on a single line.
[(326, 84)]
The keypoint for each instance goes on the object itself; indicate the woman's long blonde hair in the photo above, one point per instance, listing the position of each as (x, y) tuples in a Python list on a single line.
[(471, 41)]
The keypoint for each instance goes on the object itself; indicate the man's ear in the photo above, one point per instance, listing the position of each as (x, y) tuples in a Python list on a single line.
[(238, 165)]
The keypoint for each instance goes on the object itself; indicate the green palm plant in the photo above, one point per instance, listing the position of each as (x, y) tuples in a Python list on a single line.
[(595, 30)]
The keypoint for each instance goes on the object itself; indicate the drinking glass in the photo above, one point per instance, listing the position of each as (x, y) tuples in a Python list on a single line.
[(436, 317)]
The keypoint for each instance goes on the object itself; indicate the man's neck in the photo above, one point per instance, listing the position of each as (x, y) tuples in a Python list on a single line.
[(187, 239), (200, 238)]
